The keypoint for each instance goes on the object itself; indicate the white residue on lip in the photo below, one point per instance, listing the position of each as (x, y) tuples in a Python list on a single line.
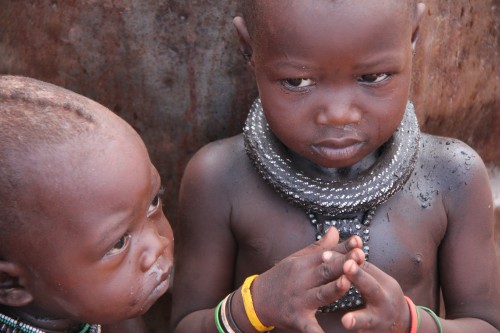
[(156, 271)]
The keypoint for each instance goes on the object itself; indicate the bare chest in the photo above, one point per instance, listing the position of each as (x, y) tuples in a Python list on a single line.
[(404, 234)]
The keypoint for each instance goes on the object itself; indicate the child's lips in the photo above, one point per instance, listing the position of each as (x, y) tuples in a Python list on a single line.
[(338, 149), (161, 272), (160, 289)]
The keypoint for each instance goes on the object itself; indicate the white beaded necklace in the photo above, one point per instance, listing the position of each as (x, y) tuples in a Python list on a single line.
[(11, 325), (333, 198)]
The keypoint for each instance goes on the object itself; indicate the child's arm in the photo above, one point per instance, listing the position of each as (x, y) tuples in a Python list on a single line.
[(304, 281), (469, 274), (206, 251)]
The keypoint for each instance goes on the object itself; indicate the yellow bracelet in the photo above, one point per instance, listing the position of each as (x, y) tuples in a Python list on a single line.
[(249, 308)]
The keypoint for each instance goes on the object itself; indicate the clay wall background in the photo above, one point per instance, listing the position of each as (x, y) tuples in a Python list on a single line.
[(172, 70)]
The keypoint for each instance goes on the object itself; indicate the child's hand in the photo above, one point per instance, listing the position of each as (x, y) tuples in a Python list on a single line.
[(288, 295), (386, 309)]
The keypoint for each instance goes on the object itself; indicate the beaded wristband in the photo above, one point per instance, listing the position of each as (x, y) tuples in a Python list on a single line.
[(223, 315), (434, 316), (223, 318), (229, 314), (413, 315), (249, 308), (217, 320)]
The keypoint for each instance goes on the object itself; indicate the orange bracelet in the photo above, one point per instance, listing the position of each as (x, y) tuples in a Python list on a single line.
[(249, 308), (413, 315)]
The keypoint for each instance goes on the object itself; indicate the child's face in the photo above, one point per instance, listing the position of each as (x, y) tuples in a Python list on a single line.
[(101, 246), (333, 76)]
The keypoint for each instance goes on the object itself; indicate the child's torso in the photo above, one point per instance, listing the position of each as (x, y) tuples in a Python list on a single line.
[(405, 232)]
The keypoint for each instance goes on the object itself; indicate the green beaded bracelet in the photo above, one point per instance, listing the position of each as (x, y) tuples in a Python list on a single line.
[(434, 317)]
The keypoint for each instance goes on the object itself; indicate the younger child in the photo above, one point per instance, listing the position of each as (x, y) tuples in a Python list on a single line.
[(83, 239), (332, 141)]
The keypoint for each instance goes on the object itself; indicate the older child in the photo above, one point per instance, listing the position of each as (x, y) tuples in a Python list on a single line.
[(83, 239), (333, 141)]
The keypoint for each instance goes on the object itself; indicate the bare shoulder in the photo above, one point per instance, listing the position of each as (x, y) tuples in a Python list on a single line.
[(218, 153), (215, 164), (463, 182), (210, 183), (453, 163)]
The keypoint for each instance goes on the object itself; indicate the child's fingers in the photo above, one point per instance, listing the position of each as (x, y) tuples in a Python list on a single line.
[(328, 241), (348, 245), (368, 287), (330, 292), (363, 279), (383, 297), (357, 255), (333, 263), (356, 320), (309, 325)]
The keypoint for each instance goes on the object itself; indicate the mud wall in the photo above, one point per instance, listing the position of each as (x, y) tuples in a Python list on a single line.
[(172, 70), (457, 73)]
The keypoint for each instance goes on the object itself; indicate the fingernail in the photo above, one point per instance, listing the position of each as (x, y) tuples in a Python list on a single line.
[(350, 266), (343, 282), (353, 243)]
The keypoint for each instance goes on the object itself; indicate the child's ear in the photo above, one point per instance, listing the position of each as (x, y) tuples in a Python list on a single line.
[(416, 25), (243, 39), (12, 293)]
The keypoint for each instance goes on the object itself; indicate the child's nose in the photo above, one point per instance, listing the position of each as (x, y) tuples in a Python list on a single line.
[(337, 107), (156, 242)]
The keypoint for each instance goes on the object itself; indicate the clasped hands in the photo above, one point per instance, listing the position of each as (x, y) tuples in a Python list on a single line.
[(289, 294)]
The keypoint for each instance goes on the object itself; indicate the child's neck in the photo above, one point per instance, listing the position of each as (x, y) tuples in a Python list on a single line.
[(336, 174), (334, 192)]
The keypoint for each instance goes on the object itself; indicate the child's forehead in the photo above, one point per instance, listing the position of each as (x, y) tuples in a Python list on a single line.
[(294, 25), (263, 12), (85, 168)]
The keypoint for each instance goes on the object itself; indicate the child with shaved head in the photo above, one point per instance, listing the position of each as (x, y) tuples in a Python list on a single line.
[(333, 142), (83, 239)]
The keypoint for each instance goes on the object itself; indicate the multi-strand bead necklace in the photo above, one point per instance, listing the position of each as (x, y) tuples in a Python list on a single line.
[(11, 325), (335, 200)]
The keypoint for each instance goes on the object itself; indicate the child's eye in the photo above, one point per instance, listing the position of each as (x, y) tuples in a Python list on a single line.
[(155, 203), (297, 83), (120, 245), (374, 78)]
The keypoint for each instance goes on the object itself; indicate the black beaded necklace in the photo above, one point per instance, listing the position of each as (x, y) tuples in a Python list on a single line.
[(334, 199)]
